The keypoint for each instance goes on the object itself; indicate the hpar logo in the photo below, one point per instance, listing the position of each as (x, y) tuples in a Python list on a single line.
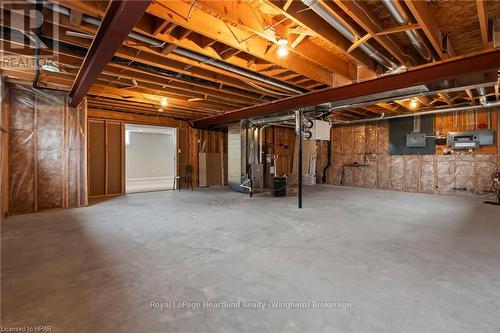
[(27, 32)]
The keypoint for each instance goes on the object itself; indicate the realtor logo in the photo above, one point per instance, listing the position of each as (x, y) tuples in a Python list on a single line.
[(28, 35)]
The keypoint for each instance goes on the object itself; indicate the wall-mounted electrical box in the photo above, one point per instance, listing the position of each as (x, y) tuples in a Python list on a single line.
[(416, 140), (320, 130), (470, 139)]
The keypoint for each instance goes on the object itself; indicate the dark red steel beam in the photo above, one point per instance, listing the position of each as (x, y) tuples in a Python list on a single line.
[(442, 70), (119, 19)]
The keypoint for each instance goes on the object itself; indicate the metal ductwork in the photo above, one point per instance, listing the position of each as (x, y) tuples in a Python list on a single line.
[(422, 113), (482, 95), (400, 16), (327, 13), (270, 120), (234, 69), (189, 54)]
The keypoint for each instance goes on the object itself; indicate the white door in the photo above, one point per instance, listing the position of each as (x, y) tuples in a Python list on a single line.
[(150, 155)]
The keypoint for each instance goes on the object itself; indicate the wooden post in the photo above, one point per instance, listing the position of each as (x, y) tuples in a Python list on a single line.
[(221, 152)]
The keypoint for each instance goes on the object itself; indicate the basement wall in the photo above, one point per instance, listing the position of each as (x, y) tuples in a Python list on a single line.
[(463, 174), (47, 151), (190, 141)]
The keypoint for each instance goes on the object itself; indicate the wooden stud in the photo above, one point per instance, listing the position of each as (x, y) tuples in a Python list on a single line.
[(221, 152), (65, 156), (297, 40), (399, 28), (482, 13), (75, 17), (78, 155), (429, 26), (4, 132), (445, 98), (168, 49), (287, 5), (212, 27), (122, 153), (360, 41), (359, 13), (160, 26), (35, 154)]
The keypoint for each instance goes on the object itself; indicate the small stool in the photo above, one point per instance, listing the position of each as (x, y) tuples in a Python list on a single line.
[(186, 178)]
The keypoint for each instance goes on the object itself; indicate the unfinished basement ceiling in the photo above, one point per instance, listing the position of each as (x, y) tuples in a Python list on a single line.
[(213, 57)]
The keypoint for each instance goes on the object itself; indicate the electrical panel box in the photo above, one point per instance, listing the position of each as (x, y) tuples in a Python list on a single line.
[(470, 139), (320, 130), (416, 140)]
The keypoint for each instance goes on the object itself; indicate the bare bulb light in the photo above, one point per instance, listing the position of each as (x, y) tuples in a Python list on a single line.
[(413, 104), (164, 101), (282, 42), (282, 51)]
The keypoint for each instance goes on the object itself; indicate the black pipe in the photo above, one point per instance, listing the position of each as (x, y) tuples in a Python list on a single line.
[(298, 129)]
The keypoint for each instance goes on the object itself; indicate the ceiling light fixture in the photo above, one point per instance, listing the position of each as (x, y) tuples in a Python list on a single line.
[(164, 101), (282, 51), (413, 104)]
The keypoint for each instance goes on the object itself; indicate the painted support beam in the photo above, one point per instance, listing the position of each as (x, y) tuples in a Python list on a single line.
[(446, 69), (118, 21)]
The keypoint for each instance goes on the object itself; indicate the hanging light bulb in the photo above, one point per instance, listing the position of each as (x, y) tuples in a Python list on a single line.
[(164, 101), (282, 51), (413, 103)]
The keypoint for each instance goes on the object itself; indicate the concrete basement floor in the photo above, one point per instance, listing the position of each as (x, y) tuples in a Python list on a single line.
[(392, 262)]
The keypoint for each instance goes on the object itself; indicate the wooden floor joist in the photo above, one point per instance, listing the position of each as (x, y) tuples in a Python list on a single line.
[(448, 69)]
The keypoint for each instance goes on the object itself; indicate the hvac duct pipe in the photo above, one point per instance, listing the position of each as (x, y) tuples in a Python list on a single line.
[(423, 113), (231, 68), (416, 40), (482, 95), (286, 118), (327, 13), (262, 121), (186, 53)]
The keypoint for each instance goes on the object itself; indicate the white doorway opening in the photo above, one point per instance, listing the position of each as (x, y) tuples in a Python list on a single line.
[(150, 158)]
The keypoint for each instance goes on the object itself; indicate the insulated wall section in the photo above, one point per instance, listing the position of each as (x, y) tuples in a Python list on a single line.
[(46, 142), (361, 158)]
